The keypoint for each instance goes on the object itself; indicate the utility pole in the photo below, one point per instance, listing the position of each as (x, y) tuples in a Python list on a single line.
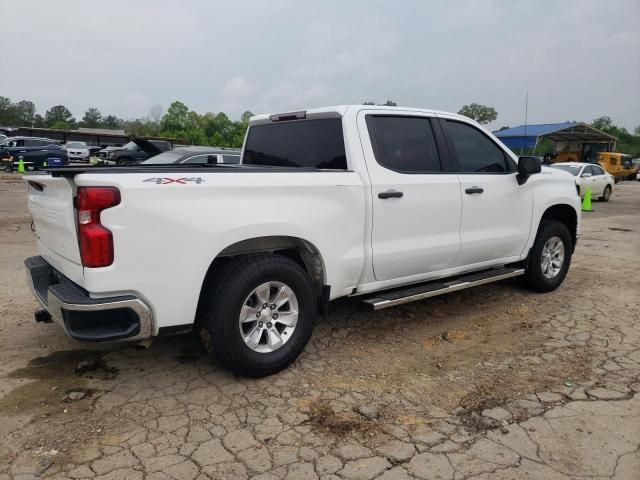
[(526, 111)]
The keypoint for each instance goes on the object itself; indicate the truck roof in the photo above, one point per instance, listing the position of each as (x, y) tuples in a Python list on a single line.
[(340, 110)]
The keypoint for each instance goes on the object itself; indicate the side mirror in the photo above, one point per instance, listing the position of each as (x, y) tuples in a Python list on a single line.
[(585, 175), (528, 166)]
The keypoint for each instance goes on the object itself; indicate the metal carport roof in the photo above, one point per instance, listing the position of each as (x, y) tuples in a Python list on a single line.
[(528, 136)]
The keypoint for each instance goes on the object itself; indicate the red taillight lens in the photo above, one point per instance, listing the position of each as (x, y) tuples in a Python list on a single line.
[(96, 241)]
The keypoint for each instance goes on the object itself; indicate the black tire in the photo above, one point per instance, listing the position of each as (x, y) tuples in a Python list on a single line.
[(534, 278), (606, 194), (124, 161), (223, 298)]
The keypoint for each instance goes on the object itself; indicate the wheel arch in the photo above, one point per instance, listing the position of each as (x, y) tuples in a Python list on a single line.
[(298, 249), (565, 214)]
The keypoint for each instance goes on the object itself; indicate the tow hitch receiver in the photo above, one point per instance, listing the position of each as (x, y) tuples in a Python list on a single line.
[(43, 316)]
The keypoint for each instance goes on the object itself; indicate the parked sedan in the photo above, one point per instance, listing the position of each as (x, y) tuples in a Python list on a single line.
[(589, 175), (34, 151), (77, 151), (202, 155)]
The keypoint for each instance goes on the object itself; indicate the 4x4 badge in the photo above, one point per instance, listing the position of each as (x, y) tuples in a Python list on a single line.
[(167, 180)]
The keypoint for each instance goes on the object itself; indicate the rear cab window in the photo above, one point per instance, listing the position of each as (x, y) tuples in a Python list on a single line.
[(312, 143)]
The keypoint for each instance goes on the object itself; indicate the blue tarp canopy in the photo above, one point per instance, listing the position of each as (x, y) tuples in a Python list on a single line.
[(528, 136)]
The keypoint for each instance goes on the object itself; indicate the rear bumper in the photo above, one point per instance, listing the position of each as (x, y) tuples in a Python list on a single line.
[(83, 318)]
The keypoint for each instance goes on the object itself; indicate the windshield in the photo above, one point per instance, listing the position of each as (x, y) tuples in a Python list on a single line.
[(165, 158), (130, 146), (76, 145), (572, 169)]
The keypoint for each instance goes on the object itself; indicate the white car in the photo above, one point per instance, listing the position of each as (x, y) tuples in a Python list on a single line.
[(386, 204), (77, 151), (589, 175)]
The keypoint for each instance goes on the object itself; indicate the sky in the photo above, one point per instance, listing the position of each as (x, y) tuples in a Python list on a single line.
[(577, 60)]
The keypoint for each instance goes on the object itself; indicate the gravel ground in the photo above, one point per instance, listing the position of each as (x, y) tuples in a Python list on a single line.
[(492, 383)]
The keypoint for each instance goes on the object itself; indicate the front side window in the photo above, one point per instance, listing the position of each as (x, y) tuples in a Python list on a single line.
[(475, 152), (310, 143), (404, 144)]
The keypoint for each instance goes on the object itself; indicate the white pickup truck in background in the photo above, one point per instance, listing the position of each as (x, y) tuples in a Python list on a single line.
[(389, 204)]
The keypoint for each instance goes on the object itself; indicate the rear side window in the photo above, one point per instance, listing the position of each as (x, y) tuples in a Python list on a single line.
[(306, 144), (475, 152), (404, 144)]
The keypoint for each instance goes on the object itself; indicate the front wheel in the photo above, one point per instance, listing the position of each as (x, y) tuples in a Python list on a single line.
[(550, 257), (258, 314), (606, 195)]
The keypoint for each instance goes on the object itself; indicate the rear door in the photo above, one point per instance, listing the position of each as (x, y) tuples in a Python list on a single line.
[(415, 196), (496, 211)]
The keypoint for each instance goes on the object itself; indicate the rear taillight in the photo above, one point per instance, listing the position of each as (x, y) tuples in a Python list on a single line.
[(96, 241)]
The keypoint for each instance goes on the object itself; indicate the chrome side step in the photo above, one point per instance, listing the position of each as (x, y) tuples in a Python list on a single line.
[(387, 299)]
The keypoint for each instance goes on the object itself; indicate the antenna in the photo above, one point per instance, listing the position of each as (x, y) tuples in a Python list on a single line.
[(526, 111)]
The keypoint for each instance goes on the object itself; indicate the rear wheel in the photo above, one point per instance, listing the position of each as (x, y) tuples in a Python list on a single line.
[(550, 257), (258, 314), (606, 195)]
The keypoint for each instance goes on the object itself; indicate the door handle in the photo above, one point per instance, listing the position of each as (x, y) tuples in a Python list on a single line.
[(474, 189), (390, 194)]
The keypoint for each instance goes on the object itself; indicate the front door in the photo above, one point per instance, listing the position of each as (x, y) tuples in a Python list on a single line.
[(496, 211), (416, 203)]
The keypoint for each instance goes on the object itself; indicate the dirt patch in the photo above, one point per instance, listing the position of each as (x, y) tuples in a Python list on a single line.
[(323, 418), (52, 378)]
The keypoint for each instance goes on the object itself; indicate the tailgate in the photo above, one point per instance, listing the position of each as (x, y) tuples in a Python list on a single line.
[(50, 202)]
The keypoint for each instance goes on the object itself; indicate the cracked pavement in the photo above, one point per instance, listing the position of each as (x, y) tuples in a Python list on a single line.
[(491, 383)]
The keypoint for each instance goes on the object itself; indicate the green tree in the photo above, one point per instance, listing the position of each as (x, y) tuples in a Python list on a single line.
[(482, 114), (38, 121), (58, 113), (111, 121), (60, 125), (603, 123), (92, 118), (244, 118), (176, 118), (25, 111)]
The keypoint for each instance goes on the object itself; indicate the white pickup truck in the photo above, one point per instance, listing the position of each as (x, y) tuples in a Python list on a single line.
[(388, 204)]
